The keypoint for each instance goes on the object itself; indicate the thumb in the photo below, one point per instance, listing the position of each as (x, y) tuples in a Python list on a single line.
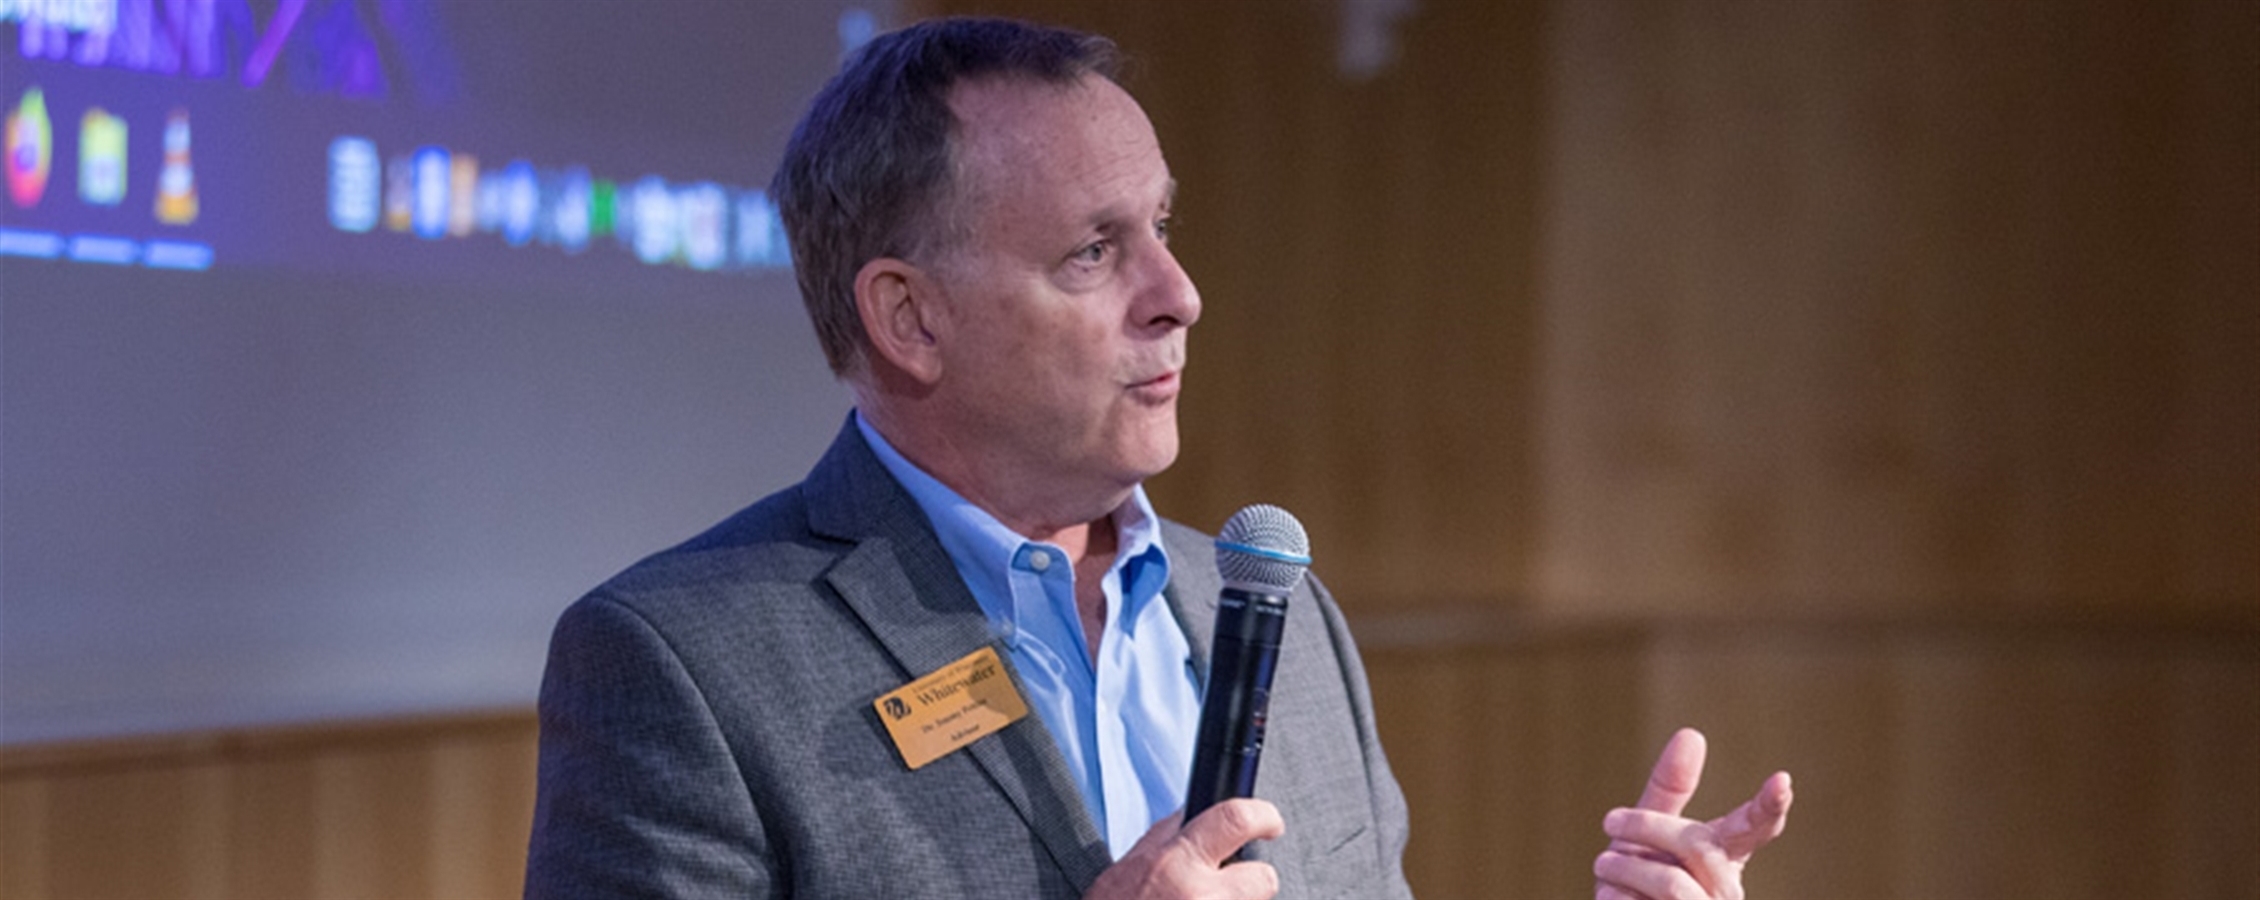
[(1221, 830), (1757, 822)]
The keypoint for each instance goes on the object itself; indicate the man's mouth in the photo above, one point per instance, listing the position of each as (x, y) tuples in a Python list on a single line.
[(1158, 388)]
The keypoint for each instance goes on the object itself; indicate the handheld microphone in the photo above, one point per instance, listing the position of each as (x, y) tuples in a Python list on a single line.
[(1262, 554)]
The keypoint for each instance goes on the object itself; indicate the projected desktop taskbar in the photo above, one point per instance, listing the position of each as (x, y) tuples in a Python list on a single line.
[(103, 249), (121, 181), (433, 193)]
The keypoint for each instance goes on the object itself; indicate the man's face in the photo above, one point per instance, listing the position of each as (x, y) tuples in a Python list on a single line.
[(1067, 311)]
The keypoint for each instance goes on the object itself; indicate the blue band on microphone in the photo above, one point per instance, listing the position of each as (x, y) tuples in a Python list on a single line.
[(1265, 552)]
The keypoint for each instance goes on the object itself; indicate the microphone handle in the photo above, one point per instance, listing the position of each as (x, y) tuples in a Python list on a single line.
[(1244, 654)]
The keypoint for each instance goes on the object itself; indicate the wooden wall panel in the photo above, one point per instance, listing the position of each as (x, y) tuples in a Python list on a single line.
[(1785, 698), (1870, 306), (1659, 308), (1981, 759), (1507, 761), (436, 807), (272, 849), (2213, 775), (117, 833), (483, 796), (1937, 760), (1910, 336)]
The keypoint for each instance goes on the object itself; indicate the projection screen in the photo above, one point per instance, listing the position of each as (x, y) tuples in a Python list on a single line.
[(344, 342)]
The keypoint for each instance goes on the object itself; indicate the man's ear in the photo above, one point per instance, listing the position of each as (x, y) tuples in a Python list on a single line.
[(900, 306)]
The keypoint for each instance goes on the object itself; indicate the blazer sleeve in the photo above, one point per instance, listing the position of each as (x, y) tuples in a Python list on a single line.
[(639, 793), (1390, 814)]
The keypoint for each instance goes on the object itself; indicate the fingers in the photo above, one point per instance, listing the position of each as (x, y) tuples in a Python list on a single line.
[(1655, 853), (1221, 830), (1756, 823), (1187, 862), (1160, 833), (1693, 847), (1679, 770), (1643, 878), (1248, 879)]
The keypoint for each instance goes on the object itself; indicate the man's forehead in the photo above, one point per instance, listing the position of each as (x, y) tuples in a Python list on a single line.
[(1016, 131), (1014, 109), (975, 94)]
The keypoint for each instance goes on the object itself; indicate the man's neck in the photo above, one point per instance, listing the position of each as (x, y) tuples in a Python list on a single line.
[(1096, 538), (1063, 521), (1090, 543)]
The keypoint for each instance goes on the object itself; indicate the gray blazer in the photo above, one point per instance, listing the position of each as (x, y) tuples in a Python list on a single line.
[(707, 726)]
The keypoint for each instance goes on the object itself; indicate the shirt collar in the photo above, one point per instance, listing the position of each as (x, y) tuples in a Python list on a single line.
[(984, 550)]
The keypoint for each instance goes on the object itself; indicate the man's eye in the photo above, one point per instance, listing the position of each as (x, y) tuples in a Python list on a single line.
[(1161, 229), (1092, 253)]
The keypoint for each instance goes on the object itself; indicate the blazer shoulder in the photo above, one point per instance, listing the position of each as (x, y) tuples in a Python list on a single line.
[(1188, 546), (768, 542)]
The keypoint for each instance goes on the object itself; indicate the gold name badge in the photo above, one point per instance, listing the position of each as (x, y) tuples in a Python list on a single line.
[(956, 705)]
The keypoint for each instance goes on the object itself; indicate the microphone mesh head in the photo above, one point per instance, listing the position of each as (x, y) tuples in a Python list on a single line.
[(1263, 549)]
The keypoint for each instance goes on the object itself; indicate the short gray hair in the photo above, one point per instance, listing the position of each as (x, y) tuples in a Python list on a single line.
[(869, 171)]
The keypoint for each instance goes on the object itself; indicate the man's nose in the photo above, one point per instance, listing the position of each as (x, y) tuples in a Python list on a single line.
[(1169, 298)]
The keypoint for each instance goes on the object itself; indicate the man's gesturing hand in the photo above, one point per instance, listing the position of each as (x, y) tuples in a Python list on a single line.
[(1656, 854), (1189, 862)]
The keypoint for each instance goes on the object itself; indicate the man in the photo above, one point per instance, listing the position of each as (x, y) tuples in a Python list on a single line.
[(979, 219)]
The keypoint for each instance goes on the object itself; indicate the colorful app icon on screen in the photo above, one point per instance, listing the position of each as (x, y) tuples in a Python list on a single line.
[(658, 231), (356, 185), (432, 182), (602, 215), (463, 195), (30, 147), (101, 158), (569, 215), (521, 203), (176, 180), (705, 214), (760, 237), (490, 202), (400, 193)]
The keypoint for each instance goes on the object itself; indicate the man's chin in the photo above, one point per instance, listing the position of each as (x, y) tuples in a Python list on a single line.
[(1140, 448), (1155, 459)]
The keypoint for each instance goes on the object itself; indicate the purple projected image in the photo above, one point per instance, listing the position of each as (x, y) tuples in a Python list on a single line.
[(335, 50), (344, 342), (84, 88)]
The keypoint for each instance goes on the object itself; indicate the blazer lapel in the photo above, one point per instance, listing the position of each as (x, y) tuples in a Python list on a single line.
[(1192, 591), (906, 590)]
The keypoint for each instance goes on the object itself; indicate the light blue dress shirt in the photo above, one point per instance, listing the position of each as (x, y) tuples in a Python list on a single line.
[(1125, 725)]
